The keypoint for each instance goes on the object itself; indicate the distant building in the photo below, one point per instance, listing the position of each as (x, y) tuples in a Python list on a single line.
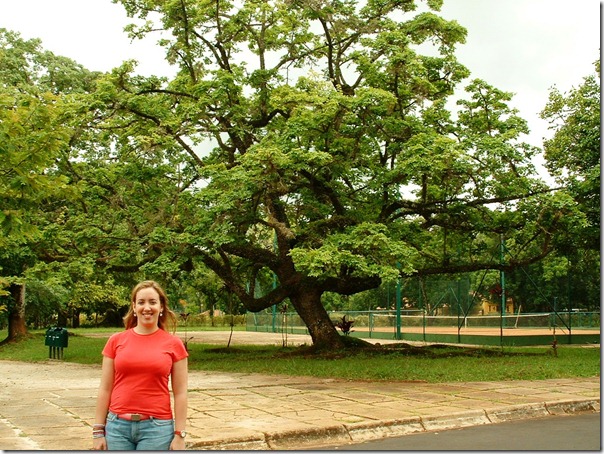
[(217, 313), (491, 308)]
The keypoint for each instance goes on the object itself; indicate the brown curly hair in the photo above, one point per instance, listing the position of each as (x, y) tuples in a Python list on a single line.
[(167, 320)]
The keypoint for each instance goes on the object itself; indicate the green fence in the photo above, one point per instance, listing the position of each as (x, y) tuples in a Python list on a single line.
[(525, 329)]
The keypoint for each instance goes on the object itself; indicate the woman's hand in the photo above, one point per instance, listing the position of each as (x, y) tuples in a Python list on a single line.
[(178, 444), (99, 444)]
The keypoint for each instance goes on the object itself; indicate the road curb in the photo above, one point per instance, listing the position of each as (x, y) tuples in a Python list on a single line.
[(521, 411), (251, 443), (573, 406), (455, 420), (361, 432), (305, 438)]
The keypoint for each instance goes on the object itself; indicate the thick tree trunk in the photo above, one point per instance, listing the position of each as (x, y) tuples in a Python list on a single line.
[(62, 319), (75, 318), (307, 303), (16, 314)]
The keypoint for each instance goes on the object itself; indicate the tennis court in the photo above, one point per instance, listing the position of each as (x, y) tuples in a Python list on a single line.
[(511, 330)]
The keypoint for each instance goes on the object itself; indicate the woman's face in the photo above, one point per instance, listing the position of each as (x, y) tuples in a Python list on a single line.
[(147, 307)]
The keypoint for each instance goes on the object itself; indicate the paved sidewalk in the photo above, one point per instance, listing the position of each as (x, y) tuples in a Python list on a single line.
[(50, 406)]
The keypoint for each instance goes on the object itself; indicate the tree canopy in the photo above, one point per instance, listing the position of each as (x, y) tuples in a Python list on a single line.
[(323, 150), (33, 130), (573, 155)]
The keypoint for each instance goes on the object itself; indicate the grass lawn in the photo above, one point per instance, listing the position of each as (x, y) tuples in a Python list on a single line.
[(393, 362)]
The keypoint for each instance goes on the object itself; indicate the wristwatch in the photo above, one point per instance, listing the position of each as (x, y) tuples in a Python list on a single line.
[(180, 433)]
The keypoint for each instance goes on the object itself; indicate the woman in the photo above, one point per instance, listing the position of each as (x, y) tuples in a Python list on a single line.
[(133, 406)]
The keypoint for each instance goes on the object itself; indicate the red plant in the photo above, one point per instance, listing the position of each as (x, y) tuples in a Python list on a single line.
[(345, 325)]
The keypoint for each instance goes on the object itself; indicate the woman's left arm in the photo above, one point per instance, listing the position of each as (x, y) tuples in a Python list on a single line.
[(180, 379)]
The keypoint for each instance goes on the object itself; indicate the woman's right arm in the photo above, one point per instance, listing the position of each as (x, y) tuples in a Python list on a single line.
[(104, 396)]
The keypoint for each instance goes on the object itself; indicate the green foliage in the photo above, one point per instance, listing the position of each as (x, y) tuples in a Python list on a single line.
[(45, 300), (361, 249), (573, 157), (36, 88), (322, 163), (29, 139), (573, 154)]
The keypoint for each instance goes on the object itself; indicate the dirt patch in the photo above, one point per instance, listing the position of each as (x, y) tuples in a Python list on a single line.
[(236, 338)]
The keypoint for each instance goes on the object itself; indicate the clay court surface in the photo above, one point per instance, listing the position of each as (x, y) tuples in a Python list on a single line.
[(237, 338), (266, 338), (492, 331)]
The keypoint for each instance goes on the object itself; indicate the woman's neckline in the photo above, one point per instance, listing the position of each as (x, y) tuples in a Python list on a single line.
[(145, 333)]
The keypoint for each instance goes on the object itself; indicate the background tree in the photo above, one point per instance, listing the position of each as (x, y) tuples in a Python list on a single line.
[(573, 157), (44, 300), (76, 211), (32, 132)]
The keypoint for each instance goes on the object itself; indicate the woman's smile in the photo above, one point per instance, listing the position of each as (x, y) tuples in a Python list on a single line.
[(147, 307)]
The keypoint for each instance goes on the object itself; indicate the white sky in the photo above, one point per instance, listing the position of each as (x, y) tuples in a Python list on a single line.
[(521, 46)]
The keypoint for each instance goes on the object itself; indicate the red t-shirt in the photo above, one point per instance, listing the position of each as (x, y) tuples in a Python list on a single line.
[(143, 364)]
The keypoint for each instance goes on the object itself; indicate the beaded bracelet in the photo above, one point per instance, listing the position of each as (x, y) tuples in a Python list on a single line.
[(98, 431)]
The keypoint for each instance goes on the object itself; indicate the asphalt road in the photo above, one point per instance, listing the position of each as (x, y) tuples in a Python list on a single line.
[(578, 432)]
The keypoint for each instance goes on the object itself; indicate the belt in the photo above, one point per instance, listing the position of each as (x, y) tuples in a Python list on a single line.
[(133, 417)]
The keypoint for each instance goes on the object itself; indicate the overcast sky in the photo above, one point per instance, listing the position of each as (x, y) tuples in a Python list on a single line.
[(521, 46)]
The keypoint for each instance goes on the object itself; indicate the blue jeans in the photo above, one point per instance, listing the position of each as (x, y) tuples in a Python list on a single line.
[(148, 435)]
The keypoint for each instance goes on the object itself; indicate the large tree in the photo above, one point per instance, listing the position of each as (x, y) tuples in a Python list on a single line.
[(329, 159), (573, 154), (573, 157), (34, 85)]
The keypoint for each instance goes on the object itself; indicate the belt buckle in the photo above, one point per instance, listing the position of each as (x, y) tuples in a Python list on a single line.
[(135, 417)]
